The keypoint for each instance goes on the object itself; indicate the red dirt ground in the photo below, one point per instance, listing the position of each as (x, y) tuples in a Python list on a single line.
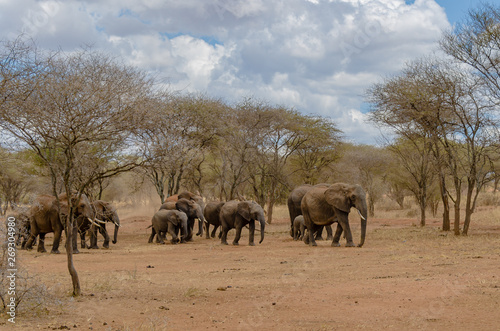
[(404, 278)]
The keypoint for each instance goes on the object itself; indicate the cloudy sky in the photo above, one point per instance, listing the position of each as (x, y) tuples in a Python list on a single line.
[(317, 56)]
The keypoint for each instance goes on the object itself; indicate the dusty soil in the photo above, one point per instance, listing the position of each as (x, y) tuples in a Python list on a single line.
[(404, 278)]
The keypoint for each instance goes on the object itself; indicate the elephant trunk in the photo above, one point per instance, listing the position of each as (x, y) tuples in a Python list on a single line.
[(363, 214), (115, 235), (201, 220), (262, 222), (116, 220)]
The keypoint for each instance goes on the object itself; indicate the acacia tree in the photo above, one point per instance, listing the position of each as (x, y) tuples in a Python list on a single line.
[(318, 152), (283, 134), (15, 179), (446, 104), (174, 138), (73, 111)]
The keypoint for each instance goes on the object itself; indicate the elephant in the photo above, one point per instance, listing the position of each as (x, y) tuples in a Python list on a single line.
[(104, 213), (23, 228), (191, 209), (325, 205), (45, 218), (298, 227), (164, 221), (193, 197), (237, 214), (211, 213), (294, 209)]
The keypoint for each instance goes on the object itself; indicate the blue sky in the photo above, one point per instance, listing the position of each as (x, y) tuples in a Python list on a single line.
[(317, 56), (457, 10)]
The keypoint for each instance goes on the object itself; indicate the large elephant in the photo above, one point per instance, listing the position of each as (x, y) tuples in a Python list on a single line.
[(192, 209), (325, 205), (193, 197), (294, 209), (237, 214), (170, 221), (45, 218), (211, 213), (104, 213)]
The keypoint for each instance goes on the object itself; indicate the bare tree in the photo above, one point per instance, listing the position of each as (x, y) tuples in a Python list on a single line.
[(476, 42), (174, 138), (74, 111), (446, 105), (318, 152), (15, 180)]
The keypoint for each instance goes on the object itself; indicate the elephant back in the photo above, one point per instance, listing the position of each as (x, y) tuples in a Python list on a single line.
[(168, 205)]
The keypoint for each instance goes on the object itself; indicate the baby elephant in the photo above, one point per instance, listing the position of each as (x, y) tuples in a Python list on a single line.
[(298, 227), (170, 221)]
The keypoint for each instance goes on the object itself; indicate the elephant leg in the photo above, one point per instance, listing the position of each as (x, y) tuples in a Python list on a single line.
[(200, 228), (41, 243), (82, 240), (104, 233), (344, 223), (302, 231), (190, 225), (214, 231), (223, 239), (313, 228), (336, 238), (31, 239), (207, 230), (23, 243), (57, 241), (319, 233), (251, 230), (329, 235), (182, 229), (172, 230), (162, 236), (153, 233), (93, 237), (238, 235)]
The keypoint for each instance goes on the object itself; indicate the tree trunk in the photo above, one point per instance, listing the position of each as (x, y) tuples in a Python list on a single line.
[(270, 206), (456, 224), (69, 253), (468, 208), (446, 203), (422, 215)]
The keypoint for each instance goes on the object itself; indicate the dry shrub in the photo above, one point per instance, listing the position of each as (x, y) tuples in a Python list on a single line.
[(31, 295), (488, 199)]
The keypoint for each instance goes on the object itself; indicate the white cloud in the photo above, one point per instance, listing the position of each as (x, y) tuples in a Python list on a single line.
[(317, 56)]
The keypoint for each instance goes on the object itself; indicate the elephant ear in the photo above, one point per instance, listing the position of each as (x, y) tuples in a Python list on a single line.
[(175, 219), (99, 208), (337, 196), (244, 210)]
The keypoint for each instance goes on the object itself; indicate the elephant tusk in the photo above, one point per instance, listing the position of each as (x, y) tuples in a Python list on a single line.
[(99, 221), (91, 221), (364, 219), (118, 225)]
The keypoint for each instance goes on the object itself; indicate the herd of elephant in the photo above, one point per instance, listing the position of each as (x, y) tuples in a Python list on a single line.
[(311, 209), (44, 217)]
